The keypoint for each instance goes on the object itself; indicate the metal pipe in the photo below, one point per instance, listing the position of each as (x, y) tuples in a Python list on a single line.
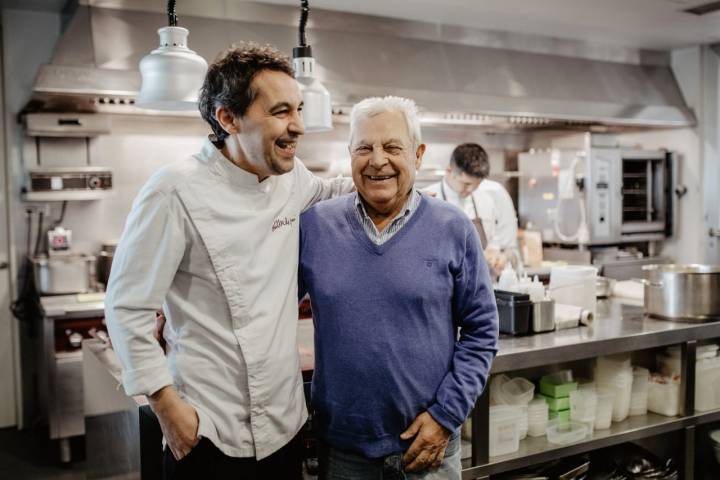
[(304, 13), (172, 16)]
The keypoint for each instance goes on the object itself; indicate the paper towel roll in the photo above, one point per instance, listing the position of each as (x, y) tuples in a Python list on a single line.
[(569, 316)]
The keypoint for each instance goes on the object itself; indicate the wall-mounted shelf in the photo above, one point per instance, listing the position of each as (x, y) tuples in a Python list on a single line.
[(66, 195)]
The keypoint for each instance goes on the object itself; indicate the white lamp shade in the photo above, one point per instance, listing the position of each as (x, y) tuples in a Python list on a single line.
[(172, 74), (317, 107)]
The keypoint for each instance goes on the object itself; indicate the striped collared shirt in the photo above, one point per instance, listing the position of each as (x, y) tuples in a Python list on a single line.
[(378, 238)]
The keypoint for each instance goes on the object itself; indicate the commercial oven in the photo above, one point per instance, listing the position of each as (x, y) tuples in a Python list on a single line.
[(600, 194)]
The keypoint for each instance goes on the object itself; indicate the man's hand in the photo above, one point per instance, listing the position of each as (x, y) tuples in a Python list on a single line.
[(495, 259), (159, 326), (428, 448), (178, 420)]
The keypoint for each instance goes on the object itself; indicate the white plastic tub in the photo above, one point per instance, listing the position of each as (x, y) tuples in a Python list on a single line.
[(517, 391), (707, 384), (565, 433), (504, 429), (664, 395), (495, 385)]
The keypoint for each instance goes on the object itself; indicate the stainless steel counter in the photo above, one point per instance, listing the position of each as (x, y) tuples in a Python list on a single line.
[(61, 362), (74, 306), (618, 327)]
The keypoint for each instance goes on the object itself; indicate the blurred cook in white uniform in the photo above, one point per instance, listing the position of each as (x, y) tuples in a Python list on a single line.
[(486, 202)]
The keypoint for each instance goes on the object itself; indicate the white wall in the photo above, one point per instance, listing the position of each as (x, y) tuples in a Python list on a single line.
[(28, 38), (710, 132), (688, 244), (697, 70)]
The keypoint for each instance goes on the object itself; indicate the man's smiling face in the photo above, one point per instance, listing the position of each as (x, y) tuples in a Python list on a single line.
[(384, 160), (272, 125)]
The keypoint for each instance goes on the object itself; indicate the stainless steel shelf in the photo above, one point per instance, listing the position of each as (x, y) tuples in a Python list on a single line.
[(66, 195), (618, 328), (707, 417), (538, 450)]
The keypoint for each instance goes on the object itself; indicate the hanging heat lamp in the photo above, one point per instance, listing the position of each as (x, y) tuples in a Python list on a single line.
[(317, 109), (172, 74)]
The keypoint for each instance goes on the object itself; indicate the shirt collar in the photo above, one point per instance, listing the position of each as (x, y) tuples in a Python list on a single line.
[(224, 168), (452, 195), (410, 205)]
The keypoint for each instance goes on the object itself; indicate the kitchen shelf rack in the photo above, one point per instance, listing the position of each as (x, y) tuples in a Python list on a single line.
[(618, 328)]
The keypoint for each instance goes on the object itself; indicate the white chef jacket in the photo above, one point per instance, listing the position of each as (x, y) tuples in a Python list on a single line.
[(506, 225), (221, 251), (483, 201)]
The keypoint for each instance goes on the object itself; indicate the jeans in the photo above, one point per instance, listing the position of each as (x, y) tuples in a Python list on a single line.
[(339, 465)]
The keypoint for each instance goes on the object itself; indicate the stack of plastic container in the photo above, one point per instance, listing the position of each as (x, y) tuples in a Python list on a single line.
[(518, 392), (556, 389), (537, 416), (509, 398), (639, 394), (514, 393), (615, 373), (583, 406), (603, 413)]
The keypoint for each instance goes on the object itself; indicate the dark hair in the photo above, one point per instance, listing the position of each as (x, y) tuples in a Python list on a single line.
[(471, 159), (229, 78)]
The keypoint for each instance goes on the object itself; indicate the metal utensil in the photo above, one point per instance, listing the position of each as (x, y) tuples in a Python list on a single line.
[(543, 318), (683, 292)]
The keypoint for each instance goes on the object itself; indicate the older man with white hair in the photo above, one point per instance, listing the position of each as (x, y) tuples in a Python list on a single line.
[(393, 275)]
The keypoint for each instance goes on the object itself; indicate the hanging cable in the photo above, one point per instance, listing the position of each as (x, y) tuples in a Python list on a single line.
[(304, 12), (40, 231), (172, 16), (62, 215), (28, 246)]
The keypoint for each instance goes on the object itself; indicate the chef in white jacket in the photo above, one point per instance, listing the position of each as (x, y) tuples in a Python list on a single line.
[(213, 238), (487, 203)]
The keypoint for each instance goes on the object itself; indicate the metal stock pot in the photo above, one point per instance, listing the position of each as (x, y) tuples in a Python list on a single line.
[(683, 292)]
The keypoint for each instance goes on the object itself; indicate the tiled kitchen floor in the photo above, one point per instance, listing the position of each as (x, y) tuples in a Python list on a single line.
[(28, 455)]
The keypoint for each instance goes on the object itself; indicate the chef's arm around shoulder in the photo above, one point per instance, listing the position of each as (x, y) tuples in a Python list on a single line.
[(314, 189), (475, 312), (147, 258)]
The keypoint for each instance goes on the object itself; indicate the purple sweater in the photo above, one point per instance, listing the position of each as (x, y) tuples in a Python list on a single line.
[(387, 319)]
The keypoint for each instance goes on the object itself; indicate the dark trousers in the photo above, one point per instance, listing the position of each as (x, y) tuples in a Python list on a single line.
[(207, 462)]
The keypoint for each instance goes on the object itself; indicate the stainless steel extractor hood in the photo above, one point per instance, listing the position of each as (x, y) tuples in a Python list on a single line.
[(94, 68)]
